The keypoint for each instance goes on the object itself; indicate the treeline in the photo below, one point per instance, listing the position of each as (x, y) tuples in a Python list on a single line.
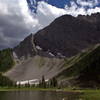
[(52, 83), (5, 81), (48, 84), (6, 60), (90, 75)]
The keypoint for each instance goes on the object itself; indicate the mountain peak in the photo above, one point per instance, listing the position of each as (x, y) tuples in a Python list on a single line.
[(66, 35), (69, 35)]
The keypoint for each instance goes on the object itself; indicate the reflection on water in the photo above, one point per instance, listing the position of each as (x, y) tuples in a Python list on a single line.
[(37, 95)]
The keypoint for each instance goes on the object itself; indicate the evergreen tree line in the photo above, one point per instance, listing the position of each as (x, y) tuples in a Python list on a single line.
[(5, 81), (52, 83), (6, 60)]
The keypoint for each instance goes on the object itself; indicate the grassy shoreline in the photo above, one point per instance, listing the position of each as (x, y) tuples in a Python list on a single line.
[(91, 94), (85, 94), (38, 89)]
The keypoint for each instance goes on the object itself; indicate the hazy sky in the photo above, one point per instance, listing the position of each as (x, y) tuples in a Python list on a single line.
[(17, 21)]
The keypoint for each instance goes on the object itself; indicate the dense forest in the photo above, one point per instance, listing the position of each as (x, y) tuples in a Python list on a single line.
[(84, 68), (5, 82), (6, 60)]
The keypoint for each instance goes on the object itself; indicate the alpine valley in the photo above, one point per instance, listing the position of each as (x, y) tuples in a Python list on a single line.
[(67, 49)]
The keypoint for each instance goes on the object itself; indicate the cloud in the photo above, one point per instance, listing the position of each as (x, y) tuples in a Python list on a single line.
[(16, 20), (74, 9), (89, 3), (46, 13)]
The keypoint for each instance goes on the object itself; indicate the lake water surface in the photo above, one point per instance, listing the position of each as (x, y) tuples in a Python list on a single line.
[(37, 95)]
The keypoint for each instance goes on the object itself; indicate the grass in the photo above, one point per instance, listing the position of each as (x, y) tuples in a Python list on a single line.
[(90, 95), (26, 89), (37, 89), (86, 65), (85, 94)]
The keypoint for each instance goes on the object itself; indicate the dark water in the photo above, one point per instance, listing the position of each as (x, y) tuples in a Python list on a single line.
[(37, 95)]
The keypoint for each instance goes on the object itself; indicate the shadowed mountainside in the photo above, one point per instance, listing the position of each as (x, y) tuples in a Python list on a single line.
[(83, 70), (69, 35), (66, 35)]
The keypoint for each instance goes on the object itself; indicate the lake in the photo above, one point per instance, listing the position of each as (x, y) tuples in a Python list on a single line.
[(37, 95)]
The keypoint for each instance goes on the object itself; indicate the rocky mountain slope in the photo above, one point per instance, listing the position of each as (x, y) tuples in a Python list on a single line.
[(69, 35), (66, 36), (80, 70), (36, 67), (25, 48)]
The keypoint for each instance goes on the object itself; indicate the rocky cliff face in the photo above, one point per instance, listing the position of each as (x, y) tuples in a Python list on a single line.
[(66, 36), (26, 48), (69, 35)]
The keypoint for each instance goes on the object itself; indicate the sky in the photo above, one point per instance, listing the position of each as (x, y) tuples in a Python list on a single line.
[(19, 18)]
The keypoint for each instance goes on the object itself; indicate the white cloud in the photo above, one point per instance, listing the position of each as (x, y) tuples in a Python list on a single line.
[(76, 10), (47, 13), (16, 21), (28, 19), (89, 3), (95, 10)]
